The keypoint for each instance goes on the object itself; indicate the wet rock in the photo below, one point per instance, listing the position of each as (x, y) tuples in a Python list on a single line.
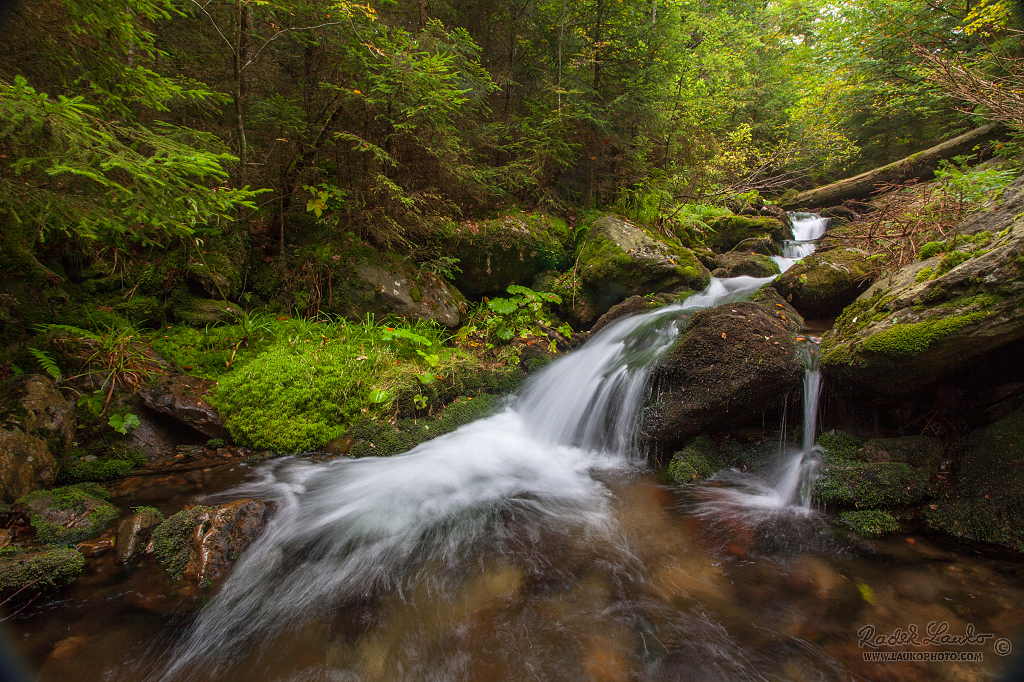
[(731, 366), (96, 546), (201, 543), (986, 502), (152, 436), (40, 570), (731, 230), (737, 263), (903, 476), (32, 404), (25, 464), (770, 298), (825, 282), (515, 249), (5, 538), (620, 260), (64, 516), (700, 459), (634, 305), (183, 397), (134, 532), (870, 523), (934, 316)]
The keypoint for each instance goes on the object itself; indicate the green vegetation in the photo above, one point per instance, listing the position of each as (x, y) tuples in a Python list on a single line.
[(698, 460), (907, 339), (113, 461), (871, 523), (64, 516), (40, 570), (172, 540)]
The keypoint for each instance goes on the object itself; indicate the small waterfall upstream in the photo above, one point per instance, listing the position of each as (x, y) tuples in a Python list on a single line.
[(347, 530)]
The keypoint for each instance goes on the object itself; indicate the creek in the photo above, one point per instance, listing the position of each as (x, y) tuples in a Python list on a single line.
[(536, 544)]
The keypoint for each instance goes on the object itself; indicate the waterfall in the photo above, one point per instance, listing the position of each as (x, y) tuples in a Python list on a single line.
[(349, 529)]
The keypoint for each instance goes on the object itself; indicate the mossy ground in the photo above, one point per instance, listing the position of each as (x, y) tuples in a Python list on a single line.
[(80, 513)]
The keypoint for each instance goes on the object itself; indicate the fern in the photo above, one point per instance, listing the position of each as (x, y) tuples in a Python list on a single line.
[(48, 364), (76, 332)]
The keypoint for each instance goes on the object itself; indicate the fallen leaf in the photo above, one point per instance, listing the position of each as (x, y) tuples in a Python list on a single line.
[(723, 335)]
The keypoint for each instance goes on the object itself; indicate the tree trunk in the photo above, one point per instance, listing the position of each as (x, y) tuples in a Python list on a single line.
[(237, 89), (920, 166), (589, 189)]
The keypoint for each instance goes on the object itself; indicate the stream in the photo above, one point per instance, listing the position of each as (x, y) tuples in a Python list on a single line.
[(536, 544)]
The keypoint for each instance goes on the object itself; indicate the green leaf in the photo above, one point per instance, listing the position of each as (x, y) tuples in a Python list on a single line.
[(378, 396), (502, 306)]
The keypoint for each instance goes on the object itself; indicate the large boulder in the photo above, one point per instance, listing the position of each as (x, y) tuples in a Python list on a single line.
[(183, 398), (36, 426), (934, 316), (824, 283), (199, 312), (621, 259), (986, 502), (512, 249), (728, 231), (201, 543), (32, 404), (730, 366), (390, 291)]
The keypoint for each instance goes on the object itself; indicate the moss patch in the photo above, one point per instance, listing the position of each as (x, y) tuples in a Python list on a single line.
[(172, 540), (908, 339), (731, 230), (49, 568), (700, 459), (870, 523), (67, 515)]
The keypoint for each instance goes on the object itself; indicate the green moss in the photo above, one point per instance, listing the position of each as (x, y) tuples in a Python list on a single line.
[(49, 568), (840, 447), (383, 439), (923, 276), (67, 515), (108, 466), (908, 339), (215, 443), (867, 485), (172, 540), (870, 523), (980, 520), (700, 459), (728, 231)]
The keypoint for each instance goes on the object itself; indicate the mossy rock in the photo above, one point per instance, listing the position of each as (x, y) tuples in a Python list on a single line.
[(376, 439), (39, 570), (700, 459), (81, 465), (870, 523), (867, 485), (924, 329), (746, 263), (64, 516), (199, 312), (172, 539), (761, 245), (510, 249), (621, 259), (824, 283), (986, 503), (728, 231)]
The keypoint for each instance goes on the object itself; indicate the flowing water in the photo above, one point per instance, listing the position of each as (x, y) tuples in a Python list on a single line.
[(532, 545)]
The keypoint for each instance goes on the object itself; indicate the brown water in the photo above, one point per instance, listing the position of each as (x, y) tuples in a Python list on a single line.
[(676, 596)]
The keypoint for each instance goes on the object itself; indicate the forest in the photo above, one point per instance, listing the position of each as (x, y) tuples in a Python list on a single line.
[(248, 244)]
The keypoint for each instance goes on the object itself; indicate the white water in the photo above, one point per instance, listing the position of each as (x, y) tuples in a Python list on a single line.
[(348, 529), (807, 228)]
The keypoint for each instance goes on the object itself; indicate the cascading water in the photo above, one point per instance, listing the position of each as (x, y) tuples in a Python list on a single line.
[(350, 529), (807, 228)]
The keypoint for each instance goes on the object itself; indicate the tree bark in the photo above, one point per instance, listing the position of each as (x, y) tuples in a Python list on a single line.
[(920, 166)]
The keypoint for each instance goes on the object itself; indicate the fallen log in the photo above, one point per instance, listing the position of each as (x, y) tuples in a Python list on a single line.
[(921, 166)]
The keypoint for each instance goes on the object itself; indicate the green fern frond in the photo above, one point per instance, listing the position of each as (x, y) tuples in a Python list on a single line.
[(76, 332), (45, 361)]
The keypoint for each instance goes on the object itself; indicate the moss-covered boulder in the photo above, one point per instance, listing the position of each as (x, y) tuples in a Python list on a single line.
[(201, 543), (733, 365), (738, 263), (64, 516), (922, 326), (397, 291), (881, 473), (199, 312), (824, 283), (184, 398), (621, 259), (728, 231), (510, 249), (39, 569), (986, 502), (762, 245)]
